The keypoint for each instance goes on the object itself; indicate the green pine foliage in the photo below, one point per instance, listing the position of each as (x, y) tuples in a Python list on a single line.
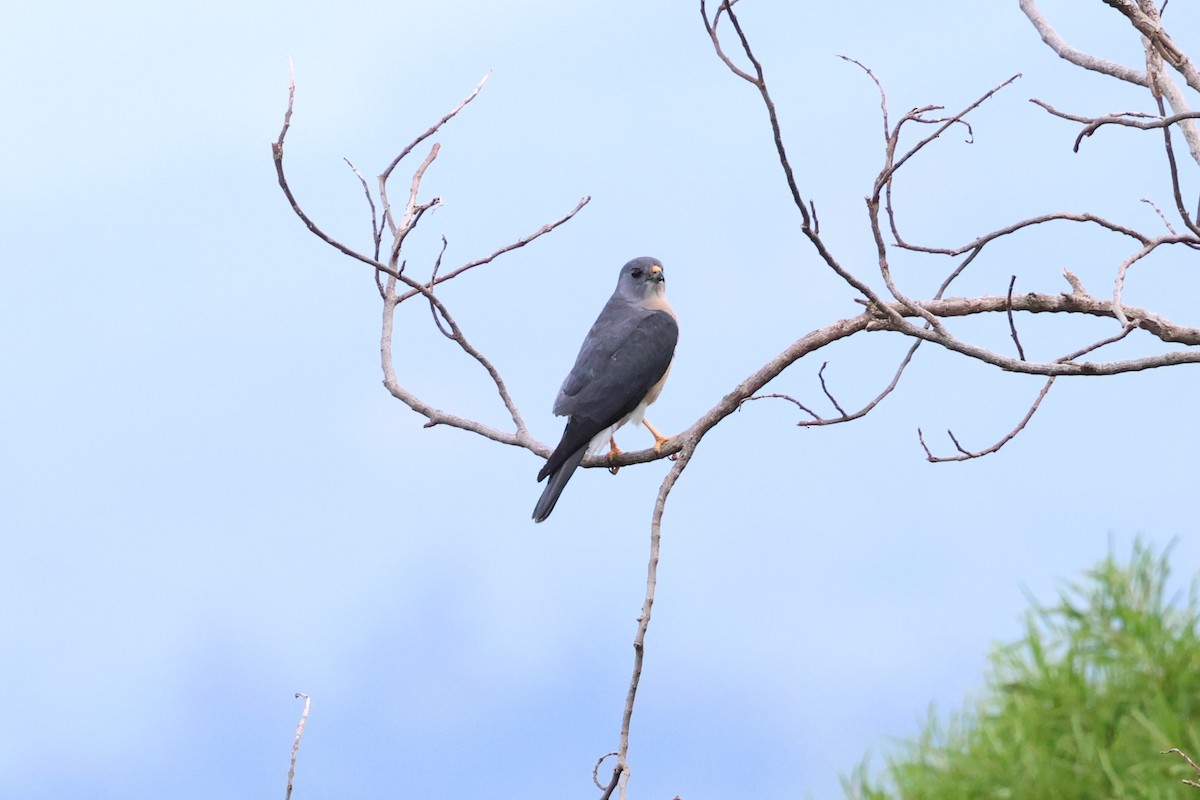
[(1082, 706)]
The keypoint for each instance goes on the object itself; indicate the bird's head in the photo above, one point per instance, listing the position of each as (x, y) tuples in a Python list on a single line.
[(642, 279)]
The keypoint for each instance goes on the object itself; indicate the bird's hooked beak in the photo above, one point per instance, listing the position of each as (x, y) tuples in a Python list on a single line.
[(656, 274)]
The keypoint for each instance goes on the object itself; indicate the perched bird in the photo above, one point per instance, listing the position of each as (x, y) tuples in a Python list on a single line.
[(620, 370)]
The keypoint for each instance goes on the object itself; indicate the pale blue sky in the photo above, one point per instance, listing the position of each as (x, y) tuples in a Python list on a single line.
[(209, 502)]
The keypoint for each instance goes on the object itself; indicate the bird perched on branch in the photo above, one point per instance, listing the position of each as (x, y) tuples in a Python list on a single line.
[(620, 370)]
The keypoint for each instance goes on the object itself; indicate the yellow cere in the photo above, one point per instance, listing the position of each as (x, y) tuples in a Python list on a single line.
[(656, 269)]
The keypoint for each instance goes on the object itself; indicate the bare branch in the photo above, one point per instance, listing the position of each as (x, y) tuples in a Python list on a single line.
[(376, 229), (883, 109), (1166, 223), (412, 210), (1012, 327), (1119, 283), (788, 398), (639, 641), (437, 126), (508, 248), (1128, 119), (883, 182), (808, 226), (862, 412), (1147, 22), (880, 320), (1089, 62), (946, 123), (1094, 346), (825, 389), (434, 416), (596, 774), (1174, 170), (438, 316), (967, 455), (760, 83), (1060, 216), (1078, 57), (1190, 762), (296, 743), (277, 153)]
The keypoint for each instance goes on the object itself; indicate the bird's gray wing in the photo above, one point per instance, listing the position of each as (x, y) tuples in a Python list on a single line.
[(616, 321)]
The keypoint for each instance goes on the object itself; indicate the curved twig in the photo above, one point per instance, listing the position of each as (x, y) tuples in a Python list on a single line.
[(967, 455), (596, 775), (818, 421)]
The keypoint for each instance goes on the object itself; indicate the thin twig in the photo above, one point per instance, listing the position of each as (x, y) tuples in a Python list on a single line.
[(946, 123), (296, 743), (433, 309), (967, 455), (434, 128), (1161, 215), (1012, 326), (788, 398), (760, 83), (1119, 283), (1190, 762), (862, 412), (825, 389), (1176, 190), (1094, 346), (883, 108), (508, 248), (1060, 216), (596, 772), (376, 229), (277, 154), (1127, 121)]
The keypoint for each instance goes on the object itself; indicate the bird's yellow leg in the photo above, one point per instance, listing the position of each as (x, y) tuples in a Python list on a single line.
[(659, 439), (613, 452)]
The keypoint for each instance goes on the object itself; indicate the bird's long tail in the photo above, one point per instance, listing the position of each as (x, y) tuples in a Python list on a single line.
[(554, 486)]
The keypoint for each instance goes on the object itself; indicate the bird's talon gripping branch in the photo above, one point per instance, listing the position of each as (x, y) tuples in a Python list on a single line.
[(613, 452), (659, 439)]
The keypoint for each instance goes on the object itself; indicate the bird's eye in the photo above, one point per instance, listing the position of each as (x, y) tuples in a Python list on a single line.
[(636, 272)]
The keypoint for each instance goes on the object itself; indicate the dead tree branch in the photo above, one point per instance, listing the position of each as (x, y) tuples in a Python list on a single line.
[(414, 209), (967, 455), (296, 743), (1094, 64), (639, 641), (1191, 763)]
